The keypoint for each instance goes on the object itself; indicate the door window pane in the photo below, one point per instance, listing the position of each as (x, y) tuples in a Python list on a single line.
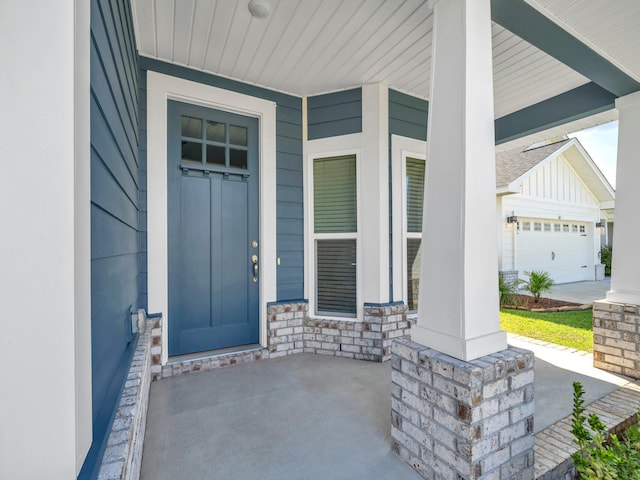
[(334, 195), (336, 277), (237, 158), (216, 132), (415, 194), (215, 155), (191, 151), (237, 135), (191, 127), (413, 272)]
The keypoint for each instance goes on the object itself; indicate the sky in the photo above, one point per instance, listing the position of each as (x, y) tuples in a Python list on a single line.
[(601, 143)]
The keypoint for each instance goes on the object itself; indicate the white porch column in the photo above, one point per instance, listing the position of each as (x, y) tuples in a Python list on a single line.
[(458, 308), (625, 268), (374, 196), (45, 278)]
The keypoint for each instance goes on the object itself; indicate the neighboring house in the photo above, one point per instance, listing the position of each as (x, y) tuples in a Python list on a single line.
[(553, 205)]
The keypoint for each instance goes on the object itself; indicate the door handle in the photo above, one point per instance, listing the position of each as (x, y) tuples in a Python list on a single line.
[(254, 260)]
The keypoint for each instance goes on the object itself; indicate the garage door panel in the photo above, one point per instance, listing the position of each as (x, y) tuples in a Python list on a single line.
[(563, 254)]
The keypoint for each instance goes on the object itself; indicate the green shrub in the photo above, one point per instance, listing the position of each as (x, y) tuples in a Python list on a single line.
[(508, 291), (601, 456), (605, 258), (538, 283)]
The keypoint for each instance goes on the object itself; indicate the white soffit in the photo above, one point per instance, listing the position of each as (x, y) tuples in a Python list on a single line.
[(524, 75), (610, 27), (307, 47)]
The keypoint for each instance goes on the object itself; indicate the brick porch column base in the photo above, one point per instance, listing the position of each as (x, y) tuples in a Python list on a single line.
[(463, 420), (616, 337)]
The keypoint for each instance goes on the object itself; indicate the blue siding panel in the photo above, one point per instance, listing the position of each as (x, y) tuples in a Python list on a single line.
[(115, 241), (407, 115), (334, 114), (289, 206)]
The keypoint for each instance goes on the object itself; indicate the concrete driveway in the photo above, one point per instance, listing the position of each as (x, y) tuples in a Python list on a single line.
[(580, 292)]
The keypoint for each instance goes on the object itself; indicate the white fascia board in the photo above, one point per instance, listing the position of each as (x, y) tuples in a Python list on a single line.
[(513, 187), (533, 207), (596, 172)]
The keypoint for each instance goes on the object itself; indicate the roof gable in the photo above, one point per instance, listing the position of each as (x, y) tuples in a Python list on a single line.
[(513, 164)]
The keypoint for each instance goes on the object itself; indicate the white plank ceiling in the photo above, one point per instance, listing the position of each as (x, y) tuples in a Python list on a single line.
[(307, 47)]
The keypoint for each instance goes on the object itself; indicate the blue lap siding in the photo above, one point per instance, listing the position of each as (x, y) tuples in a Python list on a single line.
[(334, 114), (289, 209), (115, 218)]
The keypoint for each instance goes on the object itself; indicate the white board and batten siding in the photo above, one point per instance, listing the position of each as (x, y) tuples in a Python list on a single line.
[(556, 224)]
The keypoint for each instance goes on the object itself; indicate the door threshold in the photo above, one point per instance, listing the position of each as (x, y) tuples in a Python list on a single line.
[(214, 353)]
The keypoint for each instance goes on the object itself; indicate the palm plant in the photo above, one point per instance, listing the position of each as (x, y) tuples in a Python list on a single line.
[(539, 282)]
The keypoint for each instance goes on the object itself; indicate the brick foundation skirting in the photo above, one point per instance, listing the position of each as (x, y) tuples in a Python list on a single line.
[(291, 330), (122, 458)]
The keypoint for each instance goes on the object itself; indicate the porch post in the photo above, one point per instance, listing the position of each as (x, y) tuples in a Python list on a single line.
[(462, 402), (458, 311), (625, 281), (616, 320), (45, 254)]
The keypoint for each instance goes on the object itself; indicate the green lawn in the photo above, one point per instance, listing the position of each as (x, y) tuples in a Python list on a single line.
[(571, 329)]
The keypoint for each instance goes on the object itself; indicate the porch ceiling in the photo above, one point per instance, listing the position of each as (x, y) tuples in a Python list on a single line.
[(307, 47)]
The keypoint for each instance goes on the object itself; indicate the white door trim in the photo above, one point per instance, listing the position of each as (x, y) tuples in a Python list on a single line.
[(401, 148), (160, 89)]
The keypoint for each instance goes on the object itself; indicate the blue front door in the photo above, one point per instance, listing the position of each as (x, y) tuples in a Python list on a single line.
[(213, 229)]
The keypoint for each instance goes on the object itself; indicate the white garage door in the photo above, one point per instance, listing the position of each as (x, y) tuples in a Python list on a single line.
[(561, 248)]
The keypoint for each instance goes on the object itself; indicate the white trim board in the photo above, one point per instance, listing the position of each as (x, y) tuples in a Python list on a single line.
[(401, 148), (321, 148), (160, 89)]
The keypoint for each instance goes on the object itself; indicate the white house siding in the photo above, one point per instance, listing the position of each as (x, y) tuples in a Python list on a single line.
[(553, 194)]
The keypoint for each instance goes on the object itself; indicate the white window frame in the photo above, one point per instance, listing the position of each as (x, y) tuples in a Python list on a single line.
[(401, 148), (326, 148)]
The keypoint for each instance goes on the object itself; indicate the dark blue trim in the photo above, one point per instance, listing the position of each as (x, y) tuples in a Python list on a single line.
[(573, 105), (154, 315), (284, 302), (527, 23), (334, 114), (390, 304)]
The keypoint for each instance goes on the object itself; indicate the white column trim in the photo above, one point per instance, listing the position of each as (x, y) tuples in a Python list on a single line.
[(375, 193), (161, 88), (401, 148), (625, 281), (458, 310)]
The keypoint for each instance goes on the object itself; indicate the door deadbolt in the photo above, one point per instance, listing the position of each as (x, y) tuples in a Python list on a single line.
[(254, 244)]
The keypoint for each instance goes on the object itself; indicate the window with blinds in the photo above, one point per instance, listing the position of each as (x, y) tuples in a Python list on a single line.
[(335, 230), (414, 183)]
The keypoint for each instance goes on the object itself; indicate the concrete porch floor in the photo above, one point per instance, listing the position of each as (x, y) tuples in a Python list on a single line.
[(312, 417)]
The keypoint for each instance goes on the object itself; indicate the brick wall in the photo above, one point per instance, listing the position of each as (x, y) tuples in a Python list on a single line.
[(122, 458), (291, 330), (455, 419), (616, 338)]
